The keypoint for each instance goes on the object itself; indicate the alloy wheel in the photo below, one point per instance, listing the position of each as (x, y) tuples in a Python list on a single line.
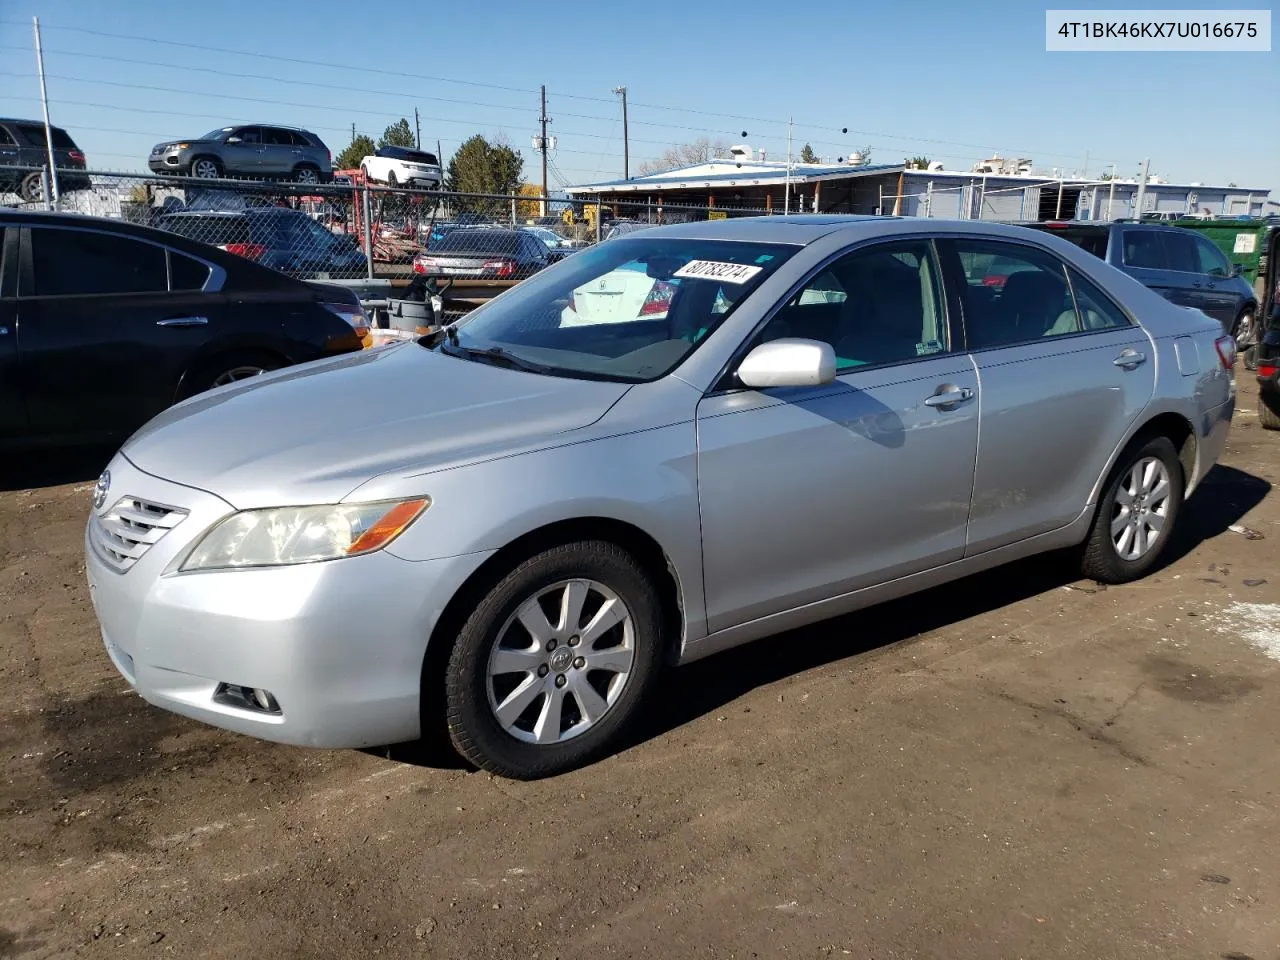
[(1141, 509), (560, 662), (238, 373), (307, 175), (205, 170)]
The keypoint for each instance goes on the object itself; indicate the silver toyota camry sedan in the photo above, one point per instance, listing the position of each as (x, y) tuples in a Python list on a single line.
[(665, 446)]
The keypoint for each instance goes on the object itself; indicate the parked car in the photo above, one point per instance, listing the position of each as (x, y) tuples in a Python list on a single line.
[(549, 512), (1266, 359), (276, 237), (104, 323), (253, 150), (486, 253), (621, 228), (1179, 264), (395, 166), (24, 152), (552, 239)]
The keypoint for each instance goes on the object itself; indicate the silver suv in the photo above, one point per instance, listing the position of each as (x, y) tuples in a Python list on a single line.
[(253, 150)]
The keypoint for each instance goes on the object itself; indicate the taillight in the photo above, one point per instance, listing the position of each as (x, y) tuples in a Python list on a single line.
[(420, 264), (1226, 347), (1267, 369), (76, 156), (994, 280), (501, 268), (658, 300), (250, 251)]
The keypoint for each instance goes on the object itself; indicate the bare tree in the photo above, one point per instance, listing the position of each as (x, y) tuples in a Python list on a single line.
[(685, 154)]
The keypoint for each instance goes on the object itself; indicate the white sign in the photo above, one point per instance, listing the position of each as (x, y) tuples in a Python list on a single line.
[(1246, 242), (717, 270)]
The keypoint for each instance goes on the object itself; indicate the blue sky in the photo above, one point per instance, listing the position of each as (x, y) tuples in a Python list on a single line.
[(953, 82)]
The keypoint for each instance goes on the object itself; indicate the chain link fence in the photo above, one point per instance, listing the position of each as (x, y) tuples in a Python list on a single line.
[(348, 229)]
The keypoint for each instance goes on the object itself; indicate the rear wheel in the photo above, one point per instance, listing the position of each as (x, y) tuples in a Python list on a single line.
[(32, 187), (1135, 520), (553, 665), (391, 178), (306, 174), (220, 371), (1269, 410)]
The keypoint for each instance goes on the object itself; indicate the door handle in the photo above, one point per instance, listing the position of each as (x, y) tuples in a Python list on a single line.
[(949, 396), (183, 322), (1130, 359)]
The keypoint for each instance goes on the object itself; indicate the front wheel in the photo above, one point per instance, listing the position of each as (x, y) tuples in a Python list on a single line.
[(553, 665), (1136, 517), (1269, 410)]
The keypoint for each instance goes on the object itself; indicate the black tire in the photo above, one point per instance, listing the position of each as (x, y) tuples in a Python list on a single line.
[(1101, 560), (1269, 410), (474, 728), (1250, 358), (32, 187), (391, 178), (216, 370), (307, 173), (206, 168)]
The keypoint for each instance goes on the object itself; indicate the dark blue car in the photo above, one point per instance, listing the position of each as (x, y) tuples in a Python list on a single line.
[(1181, 265)]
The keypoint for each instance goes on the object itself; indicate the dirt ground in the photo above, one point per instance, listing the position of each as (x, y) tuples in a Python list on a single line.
[(1017, 765)]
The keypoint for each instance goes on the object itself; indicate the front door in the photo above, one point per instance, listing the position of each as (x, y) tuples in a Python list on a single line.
[(810, 493), (1063, 373), (1218, 291), (103, 340), (243, 152)]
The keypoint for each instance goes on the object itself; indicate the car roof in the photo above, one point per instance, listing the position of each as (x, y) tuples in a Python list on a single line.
[(33, 123), (801, 229)]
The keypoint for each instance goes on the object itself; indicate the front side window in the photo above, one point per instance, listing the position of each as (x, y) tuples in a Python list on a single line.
[(1212, 260), (877, 305), (629, 310), (1013, 294), (247, 135), (1180, 251), (71, 262)]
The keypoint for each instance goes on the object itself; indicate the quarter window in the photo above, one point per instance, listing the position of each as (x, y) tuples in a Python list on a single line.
[(69, 262), (1013, 294), (1097, 311), (877, 305), (186, 273)]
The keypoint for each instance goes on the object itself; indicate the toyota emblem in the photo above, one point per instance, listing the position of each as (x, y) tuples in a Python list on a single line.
[(100, 489)]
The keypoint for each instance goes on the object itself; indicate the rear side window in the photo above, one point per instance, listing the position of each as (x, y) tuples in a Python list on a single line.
[(1143, 249), (1180, 250), (6, 139), (79, 262), (1097, 311), (33, 134), (186, 273), (1091, 241), (1013, 294)]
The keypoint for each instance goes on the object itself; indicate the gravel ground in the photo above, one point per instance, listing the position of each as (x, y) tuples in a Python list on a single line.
[(1017, 765)]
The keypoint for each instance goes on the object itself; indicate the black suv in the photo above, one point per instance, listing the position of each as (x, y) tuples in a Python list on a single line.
[(24, 152)]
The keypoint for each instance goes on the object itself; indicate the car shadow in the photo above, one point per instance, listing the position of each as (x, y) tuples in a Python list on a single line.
[(36, 468), (705, 686)]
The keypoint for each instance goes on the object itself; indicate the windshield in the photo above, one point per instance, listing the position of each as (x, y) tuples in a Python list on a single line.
[(477, 241), (216, 134), (630, 310)]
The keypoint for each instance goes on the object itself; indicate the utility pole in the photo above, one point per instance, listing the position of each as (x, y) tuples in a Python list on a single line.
[(786, 196), (353, 133), (542, 143), (1111, 195), (626, 146), (417, 127), (51, 199), (1142, 187)]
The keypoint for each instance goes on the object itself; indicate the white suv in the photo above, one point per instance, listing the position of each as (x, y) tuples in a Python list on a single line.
[(402, 165)]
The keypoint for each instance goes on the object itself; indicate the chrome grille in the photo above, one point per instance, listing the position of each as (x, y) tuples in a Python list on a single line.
[(129, 529)]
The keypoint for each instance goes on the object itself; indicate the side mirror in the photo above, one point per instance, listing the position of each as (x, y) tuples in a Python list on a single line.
[(789, 363), (1236, 270)]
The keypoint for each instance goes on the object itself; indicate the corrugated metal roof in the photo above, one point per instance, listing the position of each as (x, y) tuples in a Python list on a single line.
[(750, 175)]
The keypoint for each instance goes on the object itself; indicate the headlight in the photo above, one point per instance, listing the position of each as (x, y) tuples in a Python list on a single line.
[(287, 535)]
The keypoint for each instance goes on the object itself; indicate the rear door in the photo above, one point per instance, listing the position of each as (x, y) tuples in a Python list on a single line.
[(279, 151), (103, 340), (1062, 374), (13, 416), (1146, 258)]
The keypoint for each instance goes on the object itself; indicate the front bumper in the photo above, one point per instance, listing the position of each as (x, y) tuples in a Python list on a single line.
[(338, 644)]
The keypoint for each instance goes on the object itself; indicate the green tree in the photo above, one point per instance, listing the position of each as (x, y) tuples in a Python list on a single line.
[(399, 134), (479, 166), (918, 163), (357, 150), (807, 155)]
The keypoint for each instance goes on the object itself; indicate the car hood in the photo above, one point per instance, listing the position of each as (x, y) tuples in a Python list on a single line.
[(313, 433)]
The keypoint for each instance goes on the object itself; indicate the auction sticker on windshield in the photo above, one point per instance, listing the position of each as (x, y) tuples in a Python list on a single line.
[(717, 270)]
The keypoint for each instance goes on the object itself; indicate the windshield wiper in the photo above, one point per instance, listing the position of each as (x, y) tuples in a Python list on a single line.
[(494, 355)]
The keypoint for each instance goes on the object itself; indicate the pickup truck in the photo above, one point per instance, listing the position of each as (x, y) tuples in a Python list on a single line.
[(396, 166)]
